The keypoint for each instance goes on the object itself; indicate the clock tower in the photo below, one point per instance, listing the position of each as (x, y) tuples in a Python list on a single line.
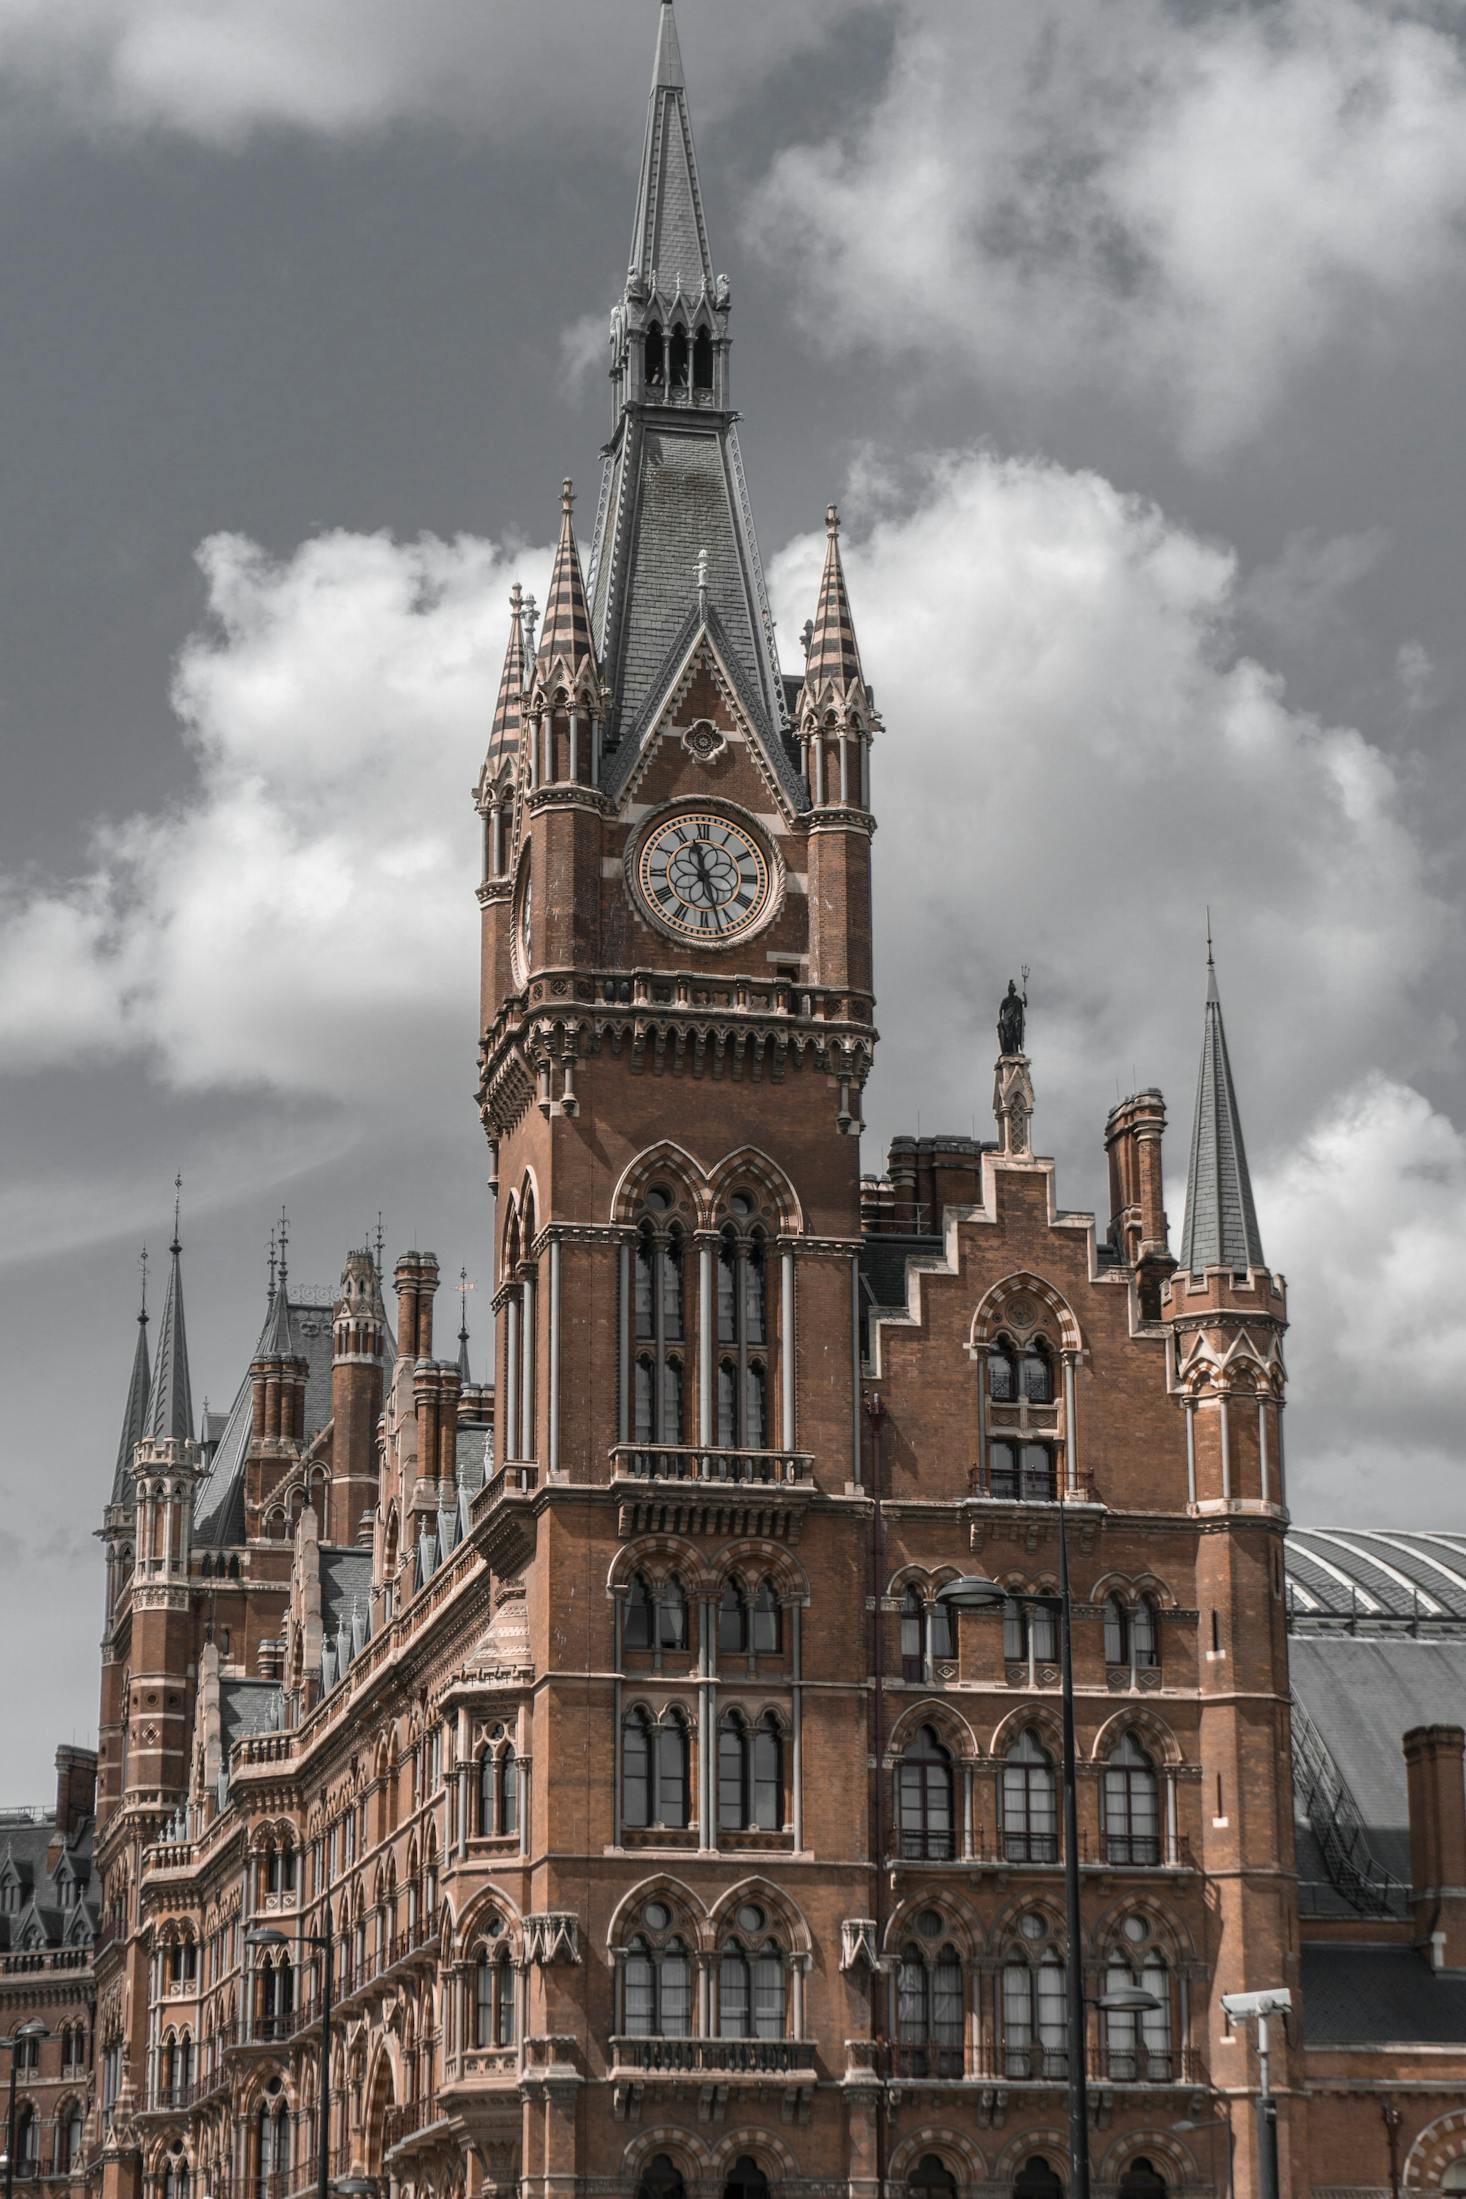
[(676, 892)]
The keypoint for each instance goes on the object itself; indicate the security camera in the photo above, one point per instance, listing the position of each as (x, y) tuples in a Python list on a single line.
[(1275, 2001)]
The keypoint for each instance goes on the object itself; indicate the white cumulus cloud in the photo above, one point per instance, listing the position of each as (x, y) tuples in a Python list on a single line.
[(1188, 205)]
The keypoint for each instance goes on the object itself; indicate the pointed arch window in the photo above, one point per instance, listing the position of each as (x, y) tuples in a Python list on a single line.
[(679, 355), (661, 2179), (656, 1988), (1132, 1805), (750, 1774), (1030, 1802), (1036, 1372), (1138, 2040), (1034, 2013), (926, 1634), (925, 1799), (1030, 1633), (71, 2139), (702, 360), (930, 2005), (764, 1620), (732, 1617), (656, 356), (659, 1326), (752, 1991), (746, 2180), (742, 1328), (931, 2179), (493, 1998), (27, 2141), (1003, 1372), (655, 1762)]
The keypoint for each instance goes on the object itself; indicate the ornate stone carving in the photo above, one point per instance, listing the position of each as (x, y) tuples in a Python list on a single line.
[(857, 1942), (553, 1935)]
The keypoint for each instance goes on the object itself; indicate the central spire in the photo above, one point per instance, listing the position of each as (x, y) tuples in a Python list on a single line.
[(170, 1407), (674, 482)]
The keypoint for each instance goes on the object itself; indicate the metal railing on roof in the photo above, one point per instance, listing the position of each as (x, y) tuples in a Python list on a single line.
[(1334, 1820)]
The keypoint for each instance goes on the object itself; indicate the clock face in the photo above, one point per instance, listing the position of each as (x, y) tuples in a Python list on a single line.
[(704, 877), (523, 934)]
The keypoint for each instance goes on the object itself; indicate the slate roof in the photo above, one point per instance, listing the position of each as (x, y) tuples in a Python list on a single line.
[(669, 234), (247, 1707), (25, 1840), (1379, 1996), (219, 1504), (1221, 1220)]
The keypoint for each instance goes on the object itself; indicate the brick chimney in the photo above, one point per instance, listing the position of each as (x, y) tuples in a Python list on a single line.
[(76, 1789), (1435, 1777)]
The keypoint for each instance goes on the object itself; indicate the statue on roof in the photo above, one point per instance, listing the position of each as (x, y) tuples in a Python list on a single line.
[(1011, 1012)]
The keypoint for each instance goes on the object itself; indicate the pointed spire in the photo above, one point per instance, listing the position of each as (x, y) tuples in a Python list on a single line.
[(834, 654), (278, 1341), (464, 1287), (669, 244), (170, 1405), (135, 1415), (566, 631), (667, 72), (509, 709), (1221, 1220)]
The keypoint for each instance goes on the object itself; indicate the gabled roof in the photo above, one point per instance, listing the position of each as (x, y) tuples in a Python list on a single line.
[(702, 625), (1221, 1220)]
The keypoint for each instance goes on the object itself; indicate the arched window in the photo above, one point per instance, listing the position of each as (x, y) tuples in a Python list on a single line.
[(1132, 1805), (1030, 1803), (765, 1620), (494, 1994), (1117, 1632), (656, 359), (671, 1614), (930, 2004), (654, 1770), (1030, 1633), (680, 355), (508, 1792), (1003, 1372), (661, 2179), (931, 2179), (1145, 1639), (1142, 2180), (1036, 2180), (638, 1632), (750, 1774), (272, 2140), (925, 1817), (176, 2176), (742, 1320), (1454, 2178), (1138, 2040), (1036, 1373), (746, 2180), (702, 360), (752, 2001), (27, 2141), (659, 1327), (732, 1617), (1034, 2012), (657, 1990), (72, 2131)]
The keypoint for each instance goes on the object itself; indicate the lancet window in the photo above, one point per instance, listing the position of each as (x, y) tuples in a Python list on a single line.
[(926, 1798), (1030, 1802), (1033, 2007), (930, 1994), (655, 1770), (1131, 1804), (750, 1774)]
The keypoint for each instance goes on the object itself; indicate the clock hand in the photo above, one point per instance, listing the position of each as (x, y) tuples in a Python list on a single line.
[(699, 857)]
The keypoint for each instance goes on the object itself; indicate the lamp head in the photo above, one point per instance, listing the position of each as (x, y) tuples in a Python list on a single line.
[(972, 1593), (266, 1935), (1128, 1999)]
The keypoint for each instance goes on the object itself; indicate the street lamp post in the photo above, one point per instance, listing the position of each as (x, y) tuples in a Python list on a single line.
[(1222, 2120), (33, 2030), (973, 1594), (268, 1935)]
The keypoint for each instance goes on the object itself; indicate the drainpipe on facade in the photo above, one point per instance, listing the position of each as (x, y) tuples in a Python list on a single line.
[(875, 1413)]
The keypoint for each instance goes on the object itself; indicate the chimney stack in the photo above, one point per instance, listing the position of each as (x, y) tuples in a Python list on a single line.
[(1436, 1782)]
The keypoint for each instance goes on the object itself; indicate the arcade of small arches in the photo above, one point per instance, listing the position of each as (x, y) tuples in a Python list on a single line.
[(935, 2165)]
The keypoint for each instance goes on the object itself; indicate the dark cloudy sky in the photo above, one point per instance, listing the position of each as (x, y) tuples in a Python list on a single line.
[(1130, 340)]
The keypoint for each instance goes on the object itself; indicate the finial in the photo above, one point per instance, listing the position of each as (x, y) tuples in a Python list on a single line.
[(1209, 963), (142, 1261), (530, 615), (283, 1231), (567, 497), (273, 1262), (832, 520), (176, 1247), (516, 598), (464, 1287)]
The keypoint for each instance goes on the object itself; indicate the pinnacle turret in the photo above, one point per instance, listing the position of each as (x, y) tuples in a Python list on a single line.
[(170, 1403), (509, 709), (135, 1414), (565, 637), (833, 662), (1221, 1220)]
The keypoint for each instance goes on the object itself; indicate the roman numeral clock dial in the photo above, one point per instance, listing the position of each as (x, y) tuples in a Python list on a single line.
[(703, 876)]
